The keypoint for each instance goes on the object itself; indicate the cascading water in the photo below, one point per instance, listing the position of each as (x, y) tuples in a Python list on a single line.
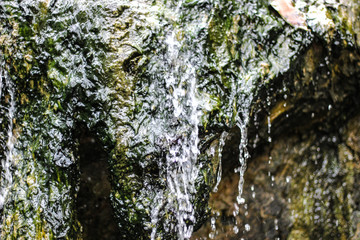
[(6, 163), (181, 81), (182, 169), (222, 139)]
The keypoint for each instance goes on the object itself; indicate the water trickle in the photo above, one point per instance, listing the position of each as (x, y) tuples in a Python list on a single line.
[(182, 169), (220, 149), (6, 163), (1, 80), (269, 129), (243, 151)]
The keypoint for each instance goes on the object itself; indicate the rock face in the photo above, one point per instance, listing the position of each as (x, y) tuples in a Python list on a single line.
[(302, 178), (174, 94), (302, 186)]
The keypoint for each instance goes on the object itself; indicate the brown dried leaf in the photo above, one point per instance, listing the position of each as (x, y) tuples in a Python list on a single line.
[(289, 13)]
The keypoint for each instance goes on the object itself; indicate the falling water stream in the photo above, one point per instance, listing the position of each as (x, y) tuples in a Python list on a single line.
[(6, 163), (181, 81), (182, 167)]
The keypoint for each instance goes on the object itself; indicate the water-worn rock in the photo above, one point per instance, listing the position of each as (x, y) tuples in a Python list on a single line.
[(301, 184), (48, 69), (222, 47), (162, 86)]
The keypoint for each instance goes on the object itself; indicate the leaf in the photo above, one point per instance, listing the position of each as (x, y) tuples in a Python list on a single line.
[(289, 13)]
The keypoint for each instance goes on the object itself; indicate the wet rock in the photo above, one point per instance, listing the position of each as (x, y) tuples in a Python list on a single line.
[(302, 187), (163, 87), (300, 184), (43, 60)]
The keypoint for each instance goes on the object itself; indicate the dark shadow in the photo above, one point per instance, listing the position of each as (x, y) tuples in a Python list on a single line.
[(94, 209)]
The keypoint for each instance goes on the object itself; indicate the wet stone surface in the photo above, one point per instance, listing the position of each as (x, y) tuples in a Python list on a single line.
[(302, 187), (175, 93)]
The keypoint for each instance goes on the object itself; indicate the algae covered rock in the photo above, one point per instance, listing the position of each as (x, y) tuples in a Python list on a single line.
[(172, 91), (301, 179), (184, 75), (47, 70)]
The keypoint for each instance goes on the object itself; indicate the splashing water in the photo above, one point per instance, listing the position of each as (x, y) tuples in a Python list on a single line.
[(182, 169), (6, 163), (1, 80)]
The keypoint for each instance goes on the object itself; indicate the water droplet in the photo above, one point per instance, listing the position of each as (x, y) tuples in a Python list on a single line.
[(288, 178), (213, 220), (241, 201), (276, 221)]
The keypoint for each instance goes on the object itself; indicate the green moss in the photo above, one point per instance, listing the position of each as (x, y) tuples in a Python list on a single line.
[(319, 201), (50, 86)]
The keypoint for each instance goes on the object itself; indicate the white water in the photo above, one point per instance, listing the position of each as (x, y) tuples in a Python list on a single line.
[(1, 80), (6, 163), (222, 139), (182, 169), (181, 160), (243, 152)]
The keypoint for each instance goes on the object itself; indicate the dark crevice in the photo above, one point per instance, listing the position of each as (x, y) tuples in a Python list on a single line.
[(93, 204), (230, 154)]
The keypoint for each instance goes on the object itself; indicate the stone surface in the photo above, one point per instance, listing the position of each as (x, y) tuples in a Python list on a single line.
[(123, 71), (301, 182), (302, 186)]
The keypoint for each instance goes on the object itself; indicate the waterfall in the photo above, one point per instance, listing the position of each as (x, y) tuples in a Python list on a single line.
[(181, 159), (6, 163), (183, 58), (183, 168)]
